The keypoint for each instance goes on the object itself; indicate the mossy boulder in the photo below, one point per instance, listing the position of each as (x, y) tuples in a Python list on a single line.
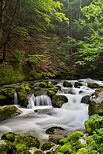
[(47, 146), (77, 84), (54, 82), (9, 136), (67, 84), (8, 111), (23, 90), (96, 103), (52, 91), (45, 84), (7, 96), (6, 147), (59, 100), (93, 85), (95, 122), (29, 141)]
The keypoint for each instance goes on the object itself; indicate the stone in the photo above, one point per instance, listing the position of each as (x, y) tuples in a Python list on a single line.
[(8, 111), (96, 103), (67, 84), (7, 96), (77, 84), (85, 99), (59, 100)]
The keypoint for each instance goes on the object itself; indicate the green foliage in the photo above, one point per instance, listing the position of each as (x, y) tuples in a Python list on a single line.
[(35, 59), (92, 46), (95, 122), (19, 55), (98, 137)]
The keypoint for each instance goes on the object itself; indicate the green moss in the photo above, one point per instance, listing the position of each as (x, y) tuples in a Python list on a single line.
[(24, 86), (75, 136), (10, 74), (8, 111), (82, 151), (95, 122), (9, 136), (93, 85), (29, 141), (66, 148), (37, 76), (20, 147), (59, 100), (47, 146)]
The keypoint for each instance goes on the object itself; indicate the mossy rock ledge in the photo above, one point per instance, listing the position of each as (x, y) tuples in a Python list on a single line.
[(7, 96), (23, 90), (96, 102), (8, 111), (59, 100)]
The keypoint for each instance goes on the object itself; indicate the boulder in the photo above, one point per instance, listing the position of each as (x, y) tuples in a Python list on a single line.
[(45, 84), (67, 84), (7, 96), (93, 85), (85, 99), (59, 100), (8, 111), (77, 84), (23, 90), (96, 102), (52, 91), (5, 147)]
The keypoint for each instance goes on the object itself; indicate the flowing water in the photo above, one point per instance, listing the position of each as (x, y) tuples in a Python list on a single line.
[(70, 116)]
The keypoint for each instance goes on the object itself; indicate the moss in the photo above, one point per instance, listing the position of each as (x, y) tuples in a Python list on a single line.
[(95, 122), (67, 84), (6, 146), (29, 141), (66, 148), (37, 76), (47, 146), (93, 85), (9, 74), (59, 100), (75, 136), (20, 147), (8, 111), (24, 86), (9, 136), (45, 84), (82, 151)]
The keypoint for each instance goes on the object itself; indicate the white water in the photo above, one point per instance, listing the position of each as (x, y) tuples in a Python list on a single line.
[(70, 116)]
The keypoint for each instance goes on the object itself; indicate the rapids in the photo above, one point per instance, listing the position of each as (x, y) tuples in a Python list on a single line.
[(71, 116)]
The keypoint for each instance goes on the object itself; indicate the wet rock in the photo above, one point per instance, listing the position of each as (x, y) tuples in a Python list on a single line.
[(54, 82), (39, 91), (7, 96), (77, 84), (45, 111), (5, 147), (59, 100), (8, 111), (52, 91), (47, 146), (45, 84), (23, 90), (96, 103), (85, 99), (93, 85), (53, 130), (67, 84), (8, 136)]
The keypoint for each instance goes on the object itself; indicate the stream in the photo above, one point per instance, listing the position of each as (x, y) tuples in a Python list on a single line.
[(71, 116)]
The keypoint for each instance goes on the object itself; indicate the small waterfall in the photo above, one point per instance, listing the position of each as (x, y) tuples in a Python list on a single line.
[(31, 101), (42, 100), (15, 98)]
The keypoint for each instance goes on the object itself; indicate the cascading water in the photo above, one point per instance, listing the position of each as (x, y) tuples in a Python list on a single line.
[(42, 100), (15, 98), (70, 116)]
